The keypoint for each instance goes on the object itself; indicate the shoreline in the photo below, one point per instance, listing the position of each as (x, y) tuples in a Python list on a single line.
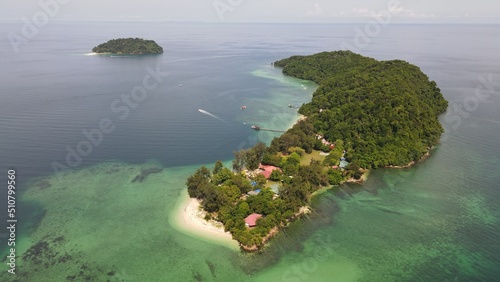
[(188, 218), (362, 179), (275, 230), (412, 163), (301, 117)]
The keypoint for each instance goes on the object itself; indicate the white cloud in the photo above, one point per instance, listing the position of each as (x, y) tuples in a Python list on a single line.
[(362, 12), (316, 10), (340, 14), (401, 12), (265, 10)]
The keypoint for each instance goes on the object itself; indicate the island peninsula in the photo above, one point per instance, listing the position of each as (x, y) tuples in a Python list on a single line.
[(128, 46), (366, 114)]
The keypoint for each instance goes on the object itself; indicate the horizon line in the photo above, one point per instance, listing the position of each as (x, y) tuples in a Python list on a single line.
[(260, 22)]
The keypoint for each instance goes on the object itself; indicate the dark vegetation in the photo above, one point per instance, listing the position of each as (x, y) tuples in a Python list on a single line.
[(221, 190), (385, 112), (133, 46), (373, 114), (54, 251)]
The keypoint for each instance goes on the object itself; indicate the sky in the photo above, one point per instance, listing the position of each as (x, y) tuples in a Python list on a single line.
[(281, 11)]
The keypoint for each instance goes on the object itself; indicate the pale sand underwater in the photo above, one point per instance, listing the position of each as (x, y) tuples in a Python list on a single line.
[(188, 217)]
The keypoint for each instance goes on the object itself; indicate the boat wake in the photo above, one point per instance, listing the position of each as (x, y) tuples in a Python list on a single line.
[(209, 114)]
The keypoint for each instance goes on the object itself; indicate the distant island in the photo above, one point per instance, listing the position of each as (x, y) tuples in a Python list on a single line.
[(365, 114), (129, 46)]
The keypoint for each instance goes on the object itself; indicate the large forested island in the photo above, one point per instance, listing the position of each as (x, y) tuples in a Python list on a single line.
[(129, 46), (365, 114)]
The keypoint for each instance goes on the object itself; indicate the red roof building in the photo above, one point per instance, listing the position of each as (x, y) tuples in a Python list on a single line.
[(266, 170), (251, 220), (266, 173)]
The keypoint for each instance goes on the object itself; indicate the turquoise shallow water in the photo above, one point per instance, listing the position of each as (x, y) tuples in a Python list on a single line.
[(437, 221)]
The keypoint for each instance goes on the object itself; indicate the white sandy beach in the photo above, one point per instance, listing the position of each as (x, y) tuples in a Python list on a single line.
[(189, 219)]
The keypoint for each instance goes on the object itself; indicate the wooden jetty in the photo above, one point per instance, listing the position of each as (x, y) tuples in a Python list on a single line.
[(257, 128)]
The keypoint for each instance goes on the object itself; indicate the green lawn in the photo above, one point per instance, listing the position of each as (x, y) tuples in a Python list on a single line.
[(306, 159)]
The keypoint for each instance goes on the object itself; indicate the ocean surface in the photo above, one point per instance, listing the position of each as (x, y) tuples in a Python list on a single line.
[(77, 140)]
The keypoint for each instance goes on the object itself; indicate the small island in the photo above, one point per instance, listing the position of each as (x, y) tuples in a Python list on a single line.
[(128, 46), (366, 114)]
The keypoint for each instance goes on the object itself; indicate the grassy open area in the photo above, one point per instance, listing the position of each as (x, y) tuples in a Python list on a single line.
[(270, 183), (315, 155)]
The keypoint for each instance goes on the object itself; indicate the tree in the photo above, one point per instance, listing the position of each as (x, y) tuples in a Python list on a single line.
[(259, 149), (260, 203), (218, 167), (313, 174), (297, 150), (271, 159), (241, 182), (260, 179), (385, 112), (334, 177), (276, 175), (232, 192), (222, 176), (252, 159), (129, 46), (204, 172), (294, 158), (291, 164), (295, 194), (211, 201), (239, 160), (243, 209), (285, 141), (198, 183)]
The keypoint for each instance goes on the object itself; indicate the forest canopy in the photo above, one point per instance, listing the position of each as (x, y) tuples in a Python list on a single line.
[(386, 112), (132, 46)]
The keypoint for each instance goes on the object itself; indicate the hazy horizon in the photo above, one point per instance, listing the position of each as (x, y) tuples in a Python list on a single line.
[(258, 11)]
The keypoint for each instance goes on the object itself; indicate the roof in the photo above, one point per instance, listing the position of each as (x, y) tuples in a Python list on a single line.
[(266, 173), (251, 220), (267, 167), (343, 164), (266, 170)]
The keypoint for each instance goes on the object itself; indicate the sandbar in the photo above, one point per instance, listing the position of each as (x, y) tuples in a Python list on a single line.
[(189, 218)]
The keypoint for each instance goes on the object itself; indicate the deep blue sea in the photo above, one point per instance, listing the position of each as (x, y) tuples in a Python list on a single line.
[(438, 221)]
